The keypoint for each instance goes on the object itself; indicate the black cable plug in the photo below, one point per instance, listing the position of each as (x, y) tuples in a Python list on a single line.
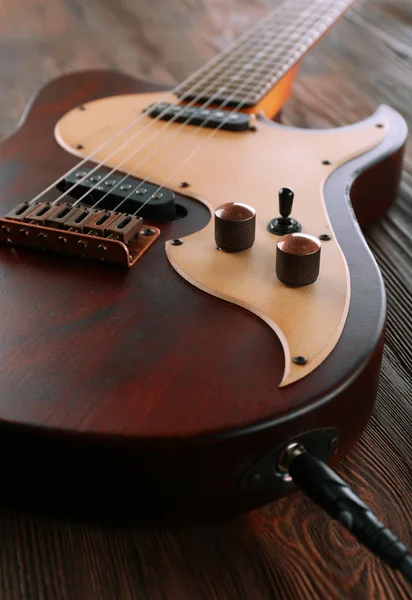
[(320, 483)]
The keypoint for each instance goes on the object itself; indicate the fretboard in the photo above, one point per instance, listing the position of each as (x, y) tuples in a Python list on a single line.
[(244, 73)]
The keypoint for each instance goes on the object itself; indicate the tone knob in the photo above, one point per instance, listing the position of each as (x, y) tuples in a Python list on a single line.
[(235, 225), (298, 259)]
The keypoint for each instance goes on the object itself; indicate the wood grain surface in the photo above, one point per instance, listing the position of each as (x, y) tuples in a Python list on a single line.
[(289, 549)]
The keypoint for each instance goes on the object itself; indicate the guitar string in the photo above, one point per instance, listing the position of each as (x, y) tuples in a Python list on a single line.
[(157, 132), (244, 39), (245, 83), (174, 132), (202, 144), (168, 124), (229, 113)]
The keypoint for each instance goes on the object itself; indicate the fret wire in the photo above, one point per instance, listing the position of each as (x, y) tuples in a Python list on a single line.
[(272, 71), (337, 11), (252, 42), (251, 38), (230, 50), (293, 56), (267, 77), (249, 58)]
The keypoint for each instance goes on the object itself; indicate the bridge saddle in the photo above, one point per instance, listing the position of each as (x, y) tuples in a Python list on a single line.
[(102, 235)]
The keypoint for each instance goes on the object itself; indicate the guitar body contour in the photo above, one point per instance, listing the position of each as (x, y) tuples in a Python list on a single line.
[(125, 390)]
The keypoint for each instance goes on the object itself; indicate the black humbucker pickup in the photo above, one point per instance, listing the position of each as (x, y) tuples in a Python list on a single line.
[(114, 192), (204, 117)]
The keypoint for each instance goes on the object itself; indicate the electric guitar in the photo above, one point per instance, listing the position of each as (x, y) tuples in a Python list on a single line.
[(185, 287)]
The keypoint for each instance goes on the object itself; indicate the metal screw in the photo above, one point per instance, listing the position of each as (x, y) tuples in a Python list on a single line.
[(176, 242), (300, 360), (82, 256), (24, 232), (325, 237), (43, 236), (184, 184), (8, 240), (158, 196), (102, 248), (5, 229), (62, 239), (82, 244), (148, 231), (126, 186)]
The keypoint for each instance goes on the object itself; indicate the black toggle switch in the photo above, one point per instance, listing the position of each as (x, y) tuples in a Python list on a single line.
[(285, 224)]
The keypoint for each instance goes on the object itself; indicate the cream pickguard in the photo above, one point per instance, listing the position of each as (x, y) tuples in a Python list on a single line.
[(247, 167)]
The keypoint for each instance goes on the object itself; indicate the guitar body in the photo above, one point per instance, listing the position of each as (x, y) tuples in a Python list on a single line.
[(134, 391)]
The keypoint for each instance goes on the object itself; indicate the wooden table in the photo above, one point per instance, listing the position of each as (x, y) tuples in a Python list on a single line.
[(290, 549)]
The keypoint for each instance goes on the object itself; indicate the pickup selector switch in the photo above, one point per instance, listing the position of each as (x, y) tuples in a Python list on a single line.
[(285, 224), (298, 259), (235, 225)]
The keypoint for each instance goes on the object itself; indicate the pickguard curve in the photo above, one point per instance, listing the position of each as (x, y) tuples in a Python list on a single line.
[(247, 167)]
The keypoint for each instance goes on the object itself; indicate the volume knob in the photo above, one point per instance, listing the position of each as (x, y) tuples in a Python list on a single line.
[(298, 259), (235, 225)]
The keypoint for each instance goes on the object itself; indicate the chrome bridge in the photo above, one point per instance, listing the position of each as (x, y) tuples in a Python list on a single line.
[(99, 235)]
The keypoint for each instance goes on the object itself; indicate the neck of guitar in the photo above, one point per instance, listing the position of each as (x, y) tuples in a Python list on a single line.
[(244, 74)]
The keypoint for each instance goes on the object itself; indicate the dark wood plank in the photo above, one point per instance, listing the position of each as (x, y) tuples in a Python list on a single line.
[(289, 549)]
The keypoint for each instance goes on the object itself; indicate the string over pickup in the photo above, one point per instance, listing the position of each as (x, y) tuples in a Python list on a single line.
[(115, 192), (204, 117)]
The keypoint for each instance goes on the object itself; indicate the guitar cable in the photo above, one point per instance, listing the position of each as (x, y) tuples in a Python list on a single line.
[(324, 487)]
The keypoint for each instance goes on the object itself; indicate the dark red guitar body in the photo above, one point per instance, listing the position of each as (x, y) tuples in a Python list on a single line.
[(123, 390)]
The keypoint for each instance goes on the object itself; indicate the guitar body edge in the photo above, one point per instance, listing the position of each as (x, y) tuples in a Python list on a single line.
[(117, 477)]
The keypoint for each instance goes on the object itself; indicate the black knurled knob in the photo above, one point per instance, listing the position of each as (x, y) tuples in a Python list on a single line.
[(298, 259), (235, 225)]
